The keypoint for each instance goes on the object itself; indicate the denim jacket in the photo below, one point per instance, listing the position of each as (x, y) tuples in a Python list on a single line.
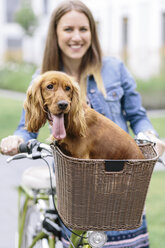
[(122, 103)]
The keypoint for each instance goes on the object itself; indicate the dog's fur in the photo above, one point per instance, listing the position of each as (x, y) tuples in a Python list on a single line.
[(89, 135)]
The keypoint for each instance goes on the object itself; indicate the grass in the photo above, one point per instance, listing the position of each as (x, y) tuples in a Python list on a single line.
[(158, 123), (152, 91), (155, 205), (16, 76), (151, 85), (10, 113)]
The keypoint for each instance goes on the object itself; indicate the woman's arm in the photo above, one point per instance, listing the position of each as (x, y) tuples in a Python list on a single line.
[(22, 132)]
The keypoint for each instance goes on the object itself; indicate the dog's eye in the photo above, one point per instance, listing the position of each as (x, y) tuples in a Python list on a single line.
[(67, 88), (50, 86)]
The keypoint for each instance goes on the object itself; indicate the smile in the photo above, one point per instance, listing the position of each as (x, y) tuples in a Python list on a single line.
[(75, 46)]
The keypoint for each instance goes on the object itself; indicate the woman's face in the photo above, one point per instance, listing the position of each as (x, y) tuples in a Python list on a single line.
[(74, 35)]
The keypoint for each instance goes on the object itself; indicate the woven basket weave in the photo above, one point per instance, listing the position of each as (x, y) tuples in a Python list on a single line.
[(100, 194)]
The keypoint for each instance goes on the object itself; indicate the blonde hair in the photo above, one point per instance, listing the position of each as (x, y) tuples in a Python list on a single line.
[(91, 62)]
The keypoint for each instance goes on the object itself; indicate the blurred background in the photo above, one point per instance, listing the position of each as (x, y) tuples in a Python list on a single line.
[(133, 31)]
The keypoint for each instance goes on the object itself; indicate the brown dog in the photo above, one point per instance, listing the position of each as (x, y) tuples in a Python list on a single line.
[(81, 131)]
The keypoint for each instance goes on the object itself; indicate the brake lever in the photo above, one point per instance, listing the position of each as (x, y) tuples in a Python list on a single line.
[(19, 156), (34, 155)]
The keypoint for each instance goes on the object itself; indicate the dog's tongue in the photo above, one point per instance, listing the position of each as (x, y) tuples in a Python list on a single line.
[(58, 128)]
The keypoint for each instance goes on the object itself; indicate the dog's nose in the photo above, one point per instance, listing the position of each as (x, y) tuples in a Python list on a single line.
[(62, 105)]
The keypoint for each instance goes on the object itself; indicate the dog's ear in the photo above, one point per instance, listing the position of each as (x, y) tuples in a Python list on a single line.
[(35, 115), (76, 118)]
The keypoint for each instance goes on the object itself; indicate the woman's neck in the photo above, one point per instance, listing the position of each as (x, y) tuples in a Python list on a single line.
[(71, 67)]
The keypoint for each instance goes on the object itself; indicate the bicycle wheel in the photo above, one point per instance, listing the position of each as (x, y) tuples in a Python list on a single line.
[(32, 227)]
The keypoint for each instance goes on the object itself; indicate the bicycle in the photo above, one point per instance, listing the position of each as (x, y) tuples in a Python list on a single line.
[(38, 222)]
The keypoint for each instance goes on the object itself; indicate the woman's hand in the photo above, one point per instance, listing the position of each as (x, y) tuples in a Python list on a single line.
[(9, 145), (159, 144)]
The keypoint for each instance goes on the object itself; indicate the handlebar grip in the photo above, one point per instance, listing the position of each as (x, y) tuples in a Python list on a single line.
[(31, 150), (23, 147), (29, 146)]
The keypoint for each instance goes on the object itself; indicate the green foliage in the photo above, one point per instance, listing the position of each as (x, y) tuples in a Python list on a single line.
[(16, 76), (152, 91), (151, 85), (26, 18)]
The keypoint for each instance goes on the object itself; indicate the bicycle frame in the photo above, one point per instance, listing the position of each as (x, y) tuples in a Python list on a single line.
[(22, 211), (29, 197)]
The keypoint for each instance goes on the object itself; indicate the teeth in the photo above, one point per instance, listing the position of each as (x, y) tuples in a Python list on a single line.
[(75, 46)]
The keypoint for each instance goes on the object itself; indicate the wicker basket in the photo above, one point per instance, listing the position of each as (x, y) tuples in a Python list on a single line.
[(100, 194)]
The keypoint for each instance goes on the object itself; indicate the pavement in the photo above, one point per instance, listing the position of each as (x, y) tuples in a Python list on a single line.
[(10, 178), (12, 94)]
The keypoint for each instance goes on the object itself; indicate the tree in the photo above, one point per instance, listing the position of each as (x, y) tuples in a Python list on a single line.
[(26, 17)]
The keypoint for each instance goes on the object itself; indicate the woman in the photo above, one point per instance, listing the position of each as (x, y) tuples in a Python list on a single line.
[(72, 46)]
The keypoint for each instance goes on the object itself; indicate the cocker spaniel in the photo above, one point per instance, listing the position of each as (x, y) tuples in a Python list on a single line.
[(81, 132)]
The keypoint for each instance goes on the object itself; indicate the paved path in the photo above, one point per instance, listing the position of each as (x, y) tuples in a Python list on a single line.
[(12, 94)]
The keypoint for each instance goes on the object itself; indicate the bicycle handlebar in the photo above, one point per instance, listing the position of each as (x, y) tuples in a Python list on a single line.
[(32, 149), (33, 145)]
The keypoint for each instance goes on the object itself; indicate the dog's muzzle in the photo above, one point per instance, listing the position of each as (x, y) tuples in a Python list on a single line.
[(62, 105)]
